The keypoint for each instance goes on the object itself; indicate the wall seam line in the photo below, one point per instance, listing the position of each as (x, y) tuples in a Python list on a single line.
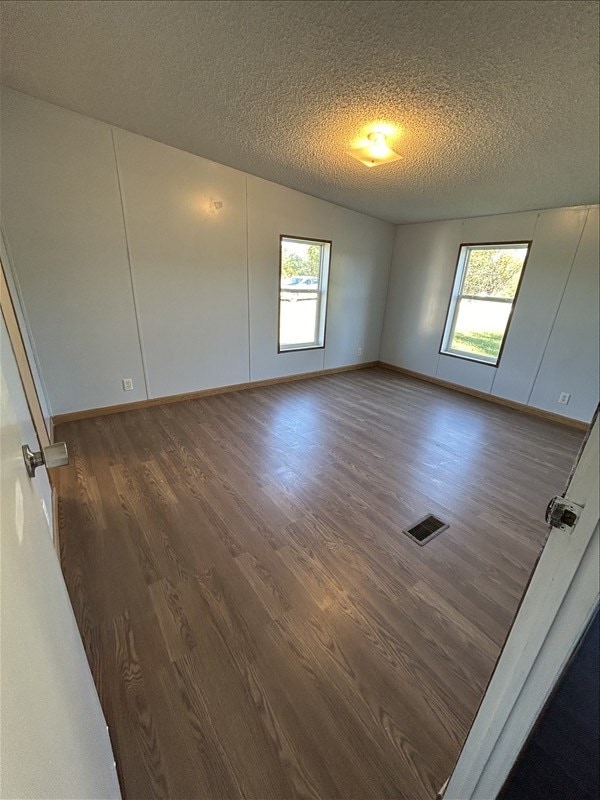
[(562, 295), (445, 322), (537, 219), (387, 291), (248, 287), (130, 265)]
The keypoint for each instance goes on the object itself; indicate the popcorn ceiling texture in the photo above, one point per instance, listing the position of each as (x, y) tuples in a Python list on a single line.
[(498, 101)]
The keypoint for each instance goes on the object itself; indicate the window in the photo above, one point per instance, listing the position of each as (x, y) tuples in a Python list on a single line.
[(303, 280), (485, 291)]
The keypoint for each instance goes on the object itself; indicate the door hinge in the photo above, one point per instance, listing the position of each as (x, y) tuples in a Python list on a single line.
[(561, 513)]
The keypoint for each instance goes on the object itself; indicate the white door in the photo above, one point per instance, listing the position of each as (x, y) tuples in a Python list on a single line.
[(53, 737), (558, 604)]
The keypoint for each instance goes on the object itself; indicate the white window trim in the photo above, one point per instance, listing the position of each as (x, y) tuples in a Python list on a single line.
[(457, 295), (318, 342)]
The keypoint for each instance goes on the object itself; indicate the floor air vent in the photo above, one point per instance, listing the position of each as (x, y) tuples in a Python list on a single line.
[(425, 529)]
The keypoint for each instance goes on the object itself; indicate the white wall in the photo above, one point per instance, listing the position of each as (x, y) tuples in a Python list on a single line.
[(127, 269), (552, 345), (189, 264), (571, 358), (360, 257), (62, 222)]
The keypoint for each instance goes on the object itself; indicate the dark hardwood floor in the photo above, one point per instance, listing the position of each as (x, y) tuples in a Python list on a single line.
[(256, 622)]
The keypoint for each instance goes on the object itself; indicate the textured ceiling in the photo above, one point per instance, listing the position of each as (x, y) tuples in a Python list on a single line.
[(497, 101)]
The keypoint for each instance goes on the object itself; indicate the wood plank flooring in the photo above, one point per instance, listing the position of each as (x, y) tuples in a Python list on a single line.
[(256, 623)]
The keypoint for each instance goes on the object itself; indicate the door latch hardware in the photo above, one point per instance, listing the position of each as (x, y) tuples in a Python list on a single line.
[(55, 455), (562, 513)]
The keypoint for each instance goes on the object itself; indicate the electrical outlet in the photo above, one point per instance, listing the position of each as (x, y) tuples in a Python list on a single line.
[(127, 384), (564, 398), (359, 351)]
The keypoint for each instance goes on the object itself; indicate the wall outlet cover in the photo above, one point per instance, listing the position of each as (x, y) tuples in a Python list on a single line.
[(127, 384), (564, 398), (359, 351)]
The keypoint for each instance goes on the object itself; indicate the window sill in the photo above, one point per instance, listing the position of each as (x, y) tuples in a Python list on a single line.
[(468, 357), (300, 348)]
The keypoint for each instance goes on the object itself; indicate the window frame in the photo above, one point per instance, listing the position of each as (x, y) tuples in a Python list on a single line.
[(460, 272), (322, 308)]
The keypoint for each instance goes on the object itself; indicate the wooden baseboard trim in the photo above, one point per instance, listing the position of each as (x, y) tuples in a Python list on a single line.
[(501, 401), (88, 413)]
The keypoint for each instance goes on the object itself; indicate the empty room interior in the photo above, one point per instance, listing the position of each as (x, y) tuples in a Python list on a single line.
[(300, 368)]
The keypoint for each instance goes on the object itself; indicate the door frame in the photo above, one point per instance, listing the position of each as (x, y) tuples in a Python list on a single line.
[(7, 306), (556, 608), (9, 301)]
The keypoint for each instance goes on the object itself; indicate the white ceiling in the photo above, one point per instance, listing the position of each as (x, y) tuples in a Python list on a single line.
[(498, 101)]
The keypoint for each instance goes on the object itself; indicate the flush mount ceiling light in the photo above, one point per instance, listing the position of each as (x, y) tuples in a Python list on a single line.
[(374, 150)]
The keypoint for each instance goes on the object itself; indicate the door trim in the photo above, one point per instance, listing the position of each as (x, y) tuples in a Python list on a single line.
[(560, 599), (18, 345)]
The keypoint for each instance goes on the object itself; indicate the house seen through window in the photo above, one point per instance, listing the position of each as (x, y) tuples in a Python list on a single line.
[(303, 282), (484, 293)]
